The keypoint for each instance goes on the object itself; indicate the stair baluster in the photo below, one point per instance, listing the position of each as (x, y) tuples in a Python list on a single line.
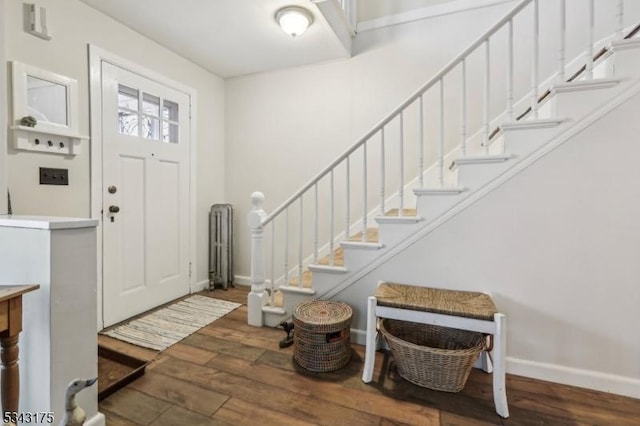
[(401, 155), (272, 293), (315, 223), (590, 33), (300, 241), (463, 110), (382, 171), (563, 41), (421, 146), (332, 254), (620, 20), (347, 221), (474, 142), (441, 141), (364, 192), (286, 246), (510, 115), (487, 87), (535, 62)]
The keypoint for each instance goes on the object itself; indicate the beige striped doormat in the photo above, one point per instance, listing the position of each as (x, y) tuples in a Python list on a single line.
[(160, 329)]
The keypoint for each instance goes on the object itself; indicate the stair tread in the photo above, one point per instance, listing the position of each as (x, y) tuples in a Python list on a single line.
[(447, 190), (405, 212), (306, 279), (372, 236)]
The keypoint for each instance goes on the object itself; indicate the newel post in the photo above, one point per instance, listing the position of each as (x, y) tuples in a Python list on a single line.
[(257, 297)]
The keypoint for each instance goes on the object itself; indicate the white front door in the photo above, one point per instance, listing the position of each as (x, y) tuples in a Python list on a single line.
[(146, 133)]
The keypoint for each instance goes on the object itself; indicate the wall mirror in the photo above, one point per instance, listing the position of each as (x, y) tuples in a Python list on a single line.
[(50, 98), (47, 101), (45, 111)]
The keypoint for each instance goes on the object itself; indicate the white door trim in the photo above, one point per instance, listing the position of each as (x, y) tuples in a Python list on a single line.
[(96, 56), (3, 112)]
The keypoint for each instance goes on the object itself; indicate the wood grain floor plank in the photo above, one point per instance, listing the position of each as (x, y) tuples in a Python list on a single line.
[(154, 363), (180, 393), (135, 406), (271, 397), (450, 419), (222, 346), (224, 333), (322, 386), (189, 353), (264, 386), (119, 346), (113, 419), (264, 342), (175, 416), (238, 412)]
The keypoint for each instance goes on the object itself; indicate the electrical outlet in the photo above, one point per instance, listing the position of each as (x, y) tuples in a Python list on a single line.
[(50, 176)]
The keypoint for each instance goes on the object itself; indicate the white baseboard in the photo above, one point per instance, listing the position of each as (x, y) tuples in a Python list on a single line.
[(97, 420), (595, 380), (358, 336), (199, 286), (237, 280), (588, 379), (242, 280)]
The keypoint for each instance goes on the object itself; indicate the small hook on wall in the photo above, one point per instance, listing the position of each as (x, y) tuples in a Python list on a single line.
[(35, 21)]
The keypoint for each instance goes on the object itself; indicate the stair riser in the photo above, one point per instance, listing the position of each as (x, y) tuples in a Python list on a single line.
[(475, 176), (545, 110), (431, 206), (523, 142), (575, 105), (357, 258), (626, 63), (290, 301), (272, 320), (393, 233), (325, 281)]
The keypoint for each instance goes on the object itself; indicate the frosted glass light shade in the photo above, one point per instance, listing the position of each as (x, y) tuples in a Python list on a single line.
[(294, 20)]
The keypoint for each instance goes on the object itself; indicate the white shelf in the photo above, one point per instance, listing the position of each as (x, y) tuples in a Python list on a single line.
[(34, 139)]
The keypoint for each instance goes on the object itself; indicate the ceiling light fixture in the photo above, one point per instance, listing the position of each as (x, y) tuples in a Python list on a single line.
[(294, 20)]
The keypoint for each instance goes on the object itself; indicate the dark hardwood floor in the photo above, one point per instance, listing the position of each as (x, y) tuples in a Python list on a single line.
[(230, 373)]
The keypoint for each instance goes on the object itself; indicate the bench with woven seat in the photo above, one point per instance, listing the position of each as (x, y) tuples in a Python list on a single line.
[(463, 310)]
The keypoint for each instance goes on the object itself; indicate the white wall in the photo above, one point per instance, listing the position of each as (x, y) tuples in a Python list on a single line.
[(283, 127), (3, 113), (557, 246), (74, 25)]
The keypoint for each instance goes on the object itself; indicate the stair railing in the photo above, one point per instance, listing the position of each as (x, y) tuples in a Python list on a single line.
[(258, 219)]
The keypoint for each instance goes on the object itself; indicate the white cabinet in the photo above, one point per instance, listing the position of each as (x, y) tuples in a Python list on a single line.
[(59, 340)]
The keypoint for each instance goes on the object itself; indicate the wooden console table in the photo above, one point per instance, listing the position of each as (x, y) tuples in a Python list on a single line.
[(10, 327)]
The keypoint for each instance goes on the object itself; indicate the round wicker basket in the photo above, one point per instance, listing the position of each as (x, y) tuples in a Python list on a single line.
[(322, 339), (434, 357)]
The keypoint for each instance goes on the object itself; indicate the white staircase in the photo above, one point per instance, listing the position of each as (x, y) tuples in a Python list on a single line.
[(502, 146)]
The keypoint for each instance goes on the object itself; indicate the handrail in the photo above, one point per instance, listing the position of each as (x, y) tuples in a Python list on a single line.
[(439, 75)]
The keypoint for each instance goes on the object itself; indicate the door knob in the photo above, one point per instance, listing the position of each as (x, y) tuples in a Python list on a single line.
[(114, 209)]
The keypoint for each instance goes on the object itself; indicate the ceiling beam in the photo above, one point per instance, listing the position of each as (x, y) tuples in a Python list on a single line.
[(338, 21)]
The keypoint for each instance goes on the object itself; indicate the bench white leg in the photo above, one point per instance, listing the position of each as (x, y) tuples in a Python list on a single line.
[(372, 332), (499, 366)]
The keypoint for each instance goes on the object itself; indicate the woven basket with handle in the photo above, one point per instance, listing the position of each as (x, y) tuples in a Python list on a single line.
[(435, 357)]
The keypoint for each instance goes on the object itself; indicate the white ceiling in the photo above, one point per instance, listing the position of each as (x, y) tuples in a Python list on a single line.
[(227, 37), (238, 37)]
